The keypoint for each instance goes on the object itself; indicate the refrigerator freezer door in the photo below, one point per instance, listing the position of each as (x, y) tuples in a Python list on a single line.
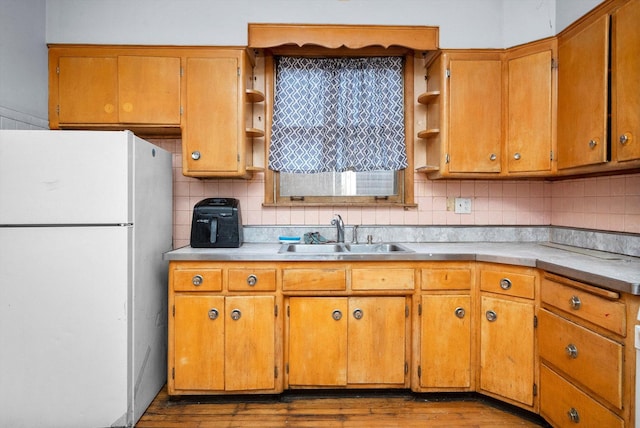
[(63, 326), (65, 177)]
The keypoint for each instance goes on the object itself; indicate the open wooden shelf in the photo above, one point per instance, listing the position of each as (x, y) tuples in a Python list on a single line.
[(428, 97), (428, 133)]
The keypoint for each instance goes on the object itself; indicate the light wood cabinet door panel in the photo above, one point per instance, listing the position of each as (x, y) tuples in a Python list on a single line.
[(475, 115), (249, 343), (199, 342), (149, 90), (382, 279), (582, 96), (445, 341), (626, 84), (507, 348), (318, 341), (376, 340), (88, 89), (529, 127), (212, 135)]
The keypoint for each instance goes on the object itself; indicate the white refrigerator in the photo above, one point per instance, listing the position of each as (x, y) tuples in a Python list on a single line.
[(85, 217)]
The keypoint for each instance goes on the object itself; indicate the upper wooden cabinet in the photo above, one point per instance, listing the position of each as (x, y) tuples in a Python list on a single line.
[(582, 96), (105, 87), (598, 62), (469, 132), (625, 66), (529, 139), (218, 132)]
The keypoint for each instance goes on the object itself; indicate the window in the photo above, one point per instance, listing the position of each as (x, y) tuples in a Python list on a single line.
[(338, 127)]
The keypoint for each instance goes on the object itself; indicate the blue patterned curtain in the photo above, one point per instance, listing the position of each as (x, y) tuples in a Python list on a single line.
[(338, 114)]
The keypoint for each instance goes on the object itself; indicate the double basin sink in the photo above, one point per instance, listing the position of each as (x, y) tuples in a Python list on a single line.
[(343, 248)]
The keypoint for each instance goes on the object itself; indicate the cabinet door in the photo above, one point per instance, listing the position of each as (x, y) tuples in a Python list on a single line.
[(582, 96), (445, 341), (318, 341), (212, 133), (507, 349), (475, 111), (626, 88), (198, 331), (249, 343), (529, 129), (149, 90), (88, 90), (376, 344)]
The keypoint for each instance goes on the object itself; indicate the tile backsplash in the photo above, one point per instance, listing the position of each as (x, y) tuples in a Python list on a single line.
[(603, 203)]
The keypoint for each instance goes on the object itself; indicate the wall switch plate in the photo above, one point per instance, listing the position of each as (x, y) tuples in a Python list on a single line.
[(462, 206)]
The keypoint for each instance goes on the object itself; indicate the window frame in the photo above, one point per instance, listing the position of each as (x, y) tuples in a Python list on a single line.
[(405, 195)]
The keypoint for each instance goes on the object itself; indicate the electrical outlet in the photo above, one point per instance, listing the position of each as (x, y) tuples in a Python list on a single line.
[(462, 206)]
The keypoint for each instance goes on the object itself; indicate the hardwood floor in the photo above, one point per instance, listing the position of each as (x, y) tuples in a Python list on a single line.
[(366, 409)]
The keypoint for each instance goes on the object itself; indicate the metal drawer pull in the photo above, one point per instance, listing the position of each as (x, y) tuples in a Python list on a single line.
[(336, 315), (517, 156), (197, 280), (252, 280), (460, 312), (572, 351), (493, 156), (573, 415), (195, 155), (575, 302), (491, 316), (624, 139), (236, 314), (358, 314), (592, 143), (213, 314), (505, 283)]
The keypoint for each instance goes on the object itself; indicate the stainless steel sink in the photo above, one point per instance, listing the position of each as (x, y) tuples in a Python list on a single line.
[(343, 248), (377, 248)]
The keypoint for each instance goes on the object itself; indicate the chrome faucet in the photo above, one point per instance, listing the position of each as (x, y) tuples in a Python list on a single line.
[(339, 224)]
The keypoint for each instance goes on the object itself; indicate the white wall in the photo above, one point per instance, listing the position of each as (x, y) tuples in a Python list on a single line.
[(23, 65), (463, 23), (568, 11)]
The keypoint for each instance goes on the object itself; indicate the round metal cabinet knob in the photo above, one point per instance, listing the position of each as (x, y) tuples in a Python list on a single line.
[(252, 280), (592, 144), (358, 314), (493, 157), (574, 416), (336, 315), (460, 312), (517, 156), (236, 314), (575, 302), (213, 314), (572, 351), (624, 139), (195, 155), (505, 283), (491, 316), (197, 280)]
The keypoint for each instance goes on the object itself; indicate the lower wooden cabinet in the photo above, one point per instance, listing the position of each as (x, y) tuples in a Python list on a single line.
[(507, 335), (347, 341), (223, 343)]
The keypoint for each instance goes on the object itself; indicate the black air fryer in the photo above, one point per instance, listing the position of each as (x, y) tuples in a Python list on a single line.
[(216, 224)]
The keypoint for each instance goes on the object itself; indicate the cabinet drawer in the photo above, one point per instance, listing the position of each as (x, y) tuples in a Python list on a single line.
[(603, 312), (590, 359), (314, 279), (446, 279), (252, 279), (508, 283), (382, 279), (559, 400), (197, 279)]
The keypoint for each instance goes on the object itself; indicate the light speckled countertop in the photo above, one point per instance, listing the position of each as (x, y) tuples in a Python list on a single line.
[(608, 270)]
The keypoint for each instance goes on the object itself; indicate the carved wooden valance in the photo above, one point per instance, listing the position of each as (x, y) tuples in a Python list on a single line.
[(418, 38)]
